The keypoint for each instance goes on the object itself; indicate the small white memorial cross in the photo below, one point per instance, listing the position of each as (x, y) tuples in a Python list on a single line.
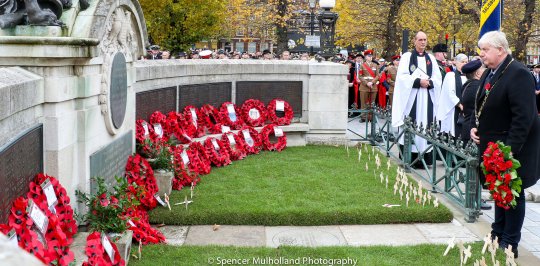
[(509, 255), (186, 202), (466, 254), (487, 242), (451, 244)]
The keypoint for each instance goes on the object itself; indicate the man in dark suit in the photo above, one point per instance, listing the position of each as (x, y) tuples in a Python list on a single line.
[(506, 111)]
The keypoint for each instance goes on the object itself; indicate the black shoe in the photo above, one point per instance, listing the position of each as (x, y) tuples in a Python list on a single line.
[(503, 246), (484, 205)]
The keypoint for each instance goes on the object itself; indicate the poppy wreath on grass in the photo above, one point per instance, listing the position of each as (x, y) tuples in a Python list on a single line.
[(216, 152), (234, 145), (138, 171), (254, 145), (174, 125), (192, 122), (231, 115), (184, 172), (199, 158), (142, 231), (158, 118), (254, 113), (97, 256), (211, 118), (270, 130), (279, 118)]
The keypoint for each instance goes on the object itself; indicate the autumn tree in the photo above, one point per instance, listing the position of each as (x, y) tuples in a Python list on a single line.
[(177, 24)]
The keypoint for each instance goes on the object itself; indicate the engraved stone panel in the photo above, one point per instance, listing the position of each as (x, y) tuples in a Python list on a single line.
[(265, 91), (118, 90), (20, 161), (163, 100), (110, 161), (201, 94)]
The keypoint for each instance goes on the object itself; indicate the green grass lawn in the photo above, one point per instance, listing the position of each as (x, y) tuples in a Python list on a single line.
[(312, 185), (428, 255)]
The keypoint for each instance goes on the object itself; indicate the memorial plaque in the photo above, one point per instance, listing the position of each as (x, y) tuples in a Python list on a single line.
[(118, 90), (111, 160), (201, 94), (265, 91), (163, 100), (20, 161)]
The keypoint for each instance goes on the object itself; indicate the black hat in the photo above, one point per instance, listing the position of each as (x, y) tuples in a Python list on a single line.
[(266, 52), (536, 66), (220, 51), (154, 47), (471, 66), (181, 54), (440, 47), (359, 55)]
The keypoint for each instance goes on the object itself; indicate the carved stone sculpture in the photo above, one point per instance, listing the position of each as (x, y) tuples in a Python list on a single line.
[(34, 12)]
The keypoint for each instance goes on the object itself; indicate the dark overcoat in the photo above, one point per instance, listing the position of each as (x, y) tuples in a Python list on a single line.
[(510, 115)]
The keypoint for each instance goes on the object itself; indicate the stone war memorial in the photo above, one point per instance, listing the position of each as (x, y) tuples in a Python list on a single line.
[(72, 88), (109, 159)]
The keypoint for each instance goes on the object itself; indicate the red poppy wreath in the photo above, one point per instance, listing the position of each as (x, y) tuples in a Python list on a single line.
[(192, 123), (251, 139), (200, 159), (280, 112), (234, 145), (184, 171), (278, 133), (230, 115), (254, 113), (216, 152), (210, 116)]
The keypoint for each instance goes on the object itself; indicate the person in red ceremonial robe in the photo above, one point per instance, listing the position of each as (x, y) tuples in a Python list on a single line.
[(359, 59)]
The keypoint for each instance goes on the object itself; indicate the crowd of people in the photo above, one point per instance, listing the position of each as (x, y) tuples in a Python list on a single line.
[(155, 52)]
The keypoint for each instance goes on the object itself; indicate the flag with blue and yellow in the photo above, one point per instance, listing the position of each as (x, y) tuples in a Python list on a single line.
[(490, 16)]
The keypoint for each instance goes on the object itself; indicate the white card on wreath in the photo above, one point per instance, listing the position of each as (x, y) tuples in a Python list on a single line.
[(232, 116), (185, 157), (107, 246), (145, 127), (12, 238), (216, 145), (278, 132), (230, 108), (40, 219), (194, 115), (248, 138), (158, 198), (280, 106), (47, 187), (131, 223), (225, 129), (254, 113), (231, 138), (158, 129)]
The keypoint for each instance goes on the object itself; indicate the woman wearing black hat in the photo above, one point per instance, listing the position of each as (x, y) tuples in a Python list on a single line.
[(473, 71)]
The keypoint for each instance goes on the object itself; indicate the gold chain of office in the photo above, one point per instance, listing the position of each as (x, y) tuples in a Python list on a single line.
[(478, 112)]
